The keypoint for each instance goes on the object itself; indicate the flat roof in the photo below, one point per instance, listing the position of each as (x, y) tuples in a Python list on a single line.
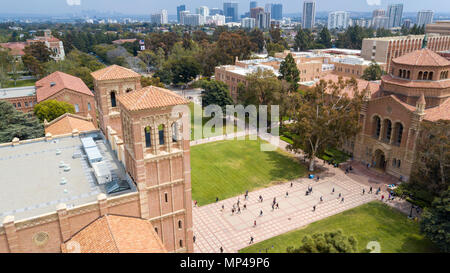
[(31, 176), (17, 92)]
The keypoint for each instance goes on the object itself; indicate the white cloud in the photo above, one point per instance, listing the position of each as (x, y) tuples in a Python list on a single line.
[(77, 2), (373, 2)]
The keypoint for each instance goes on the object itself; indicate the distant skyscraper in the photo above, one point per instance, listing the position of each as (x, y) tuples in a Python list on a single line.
[(338, 20), (254, 11), (407, 23), (179, 10), (268, 7), (380, 22), (263, 20), (395, 12), (230, 10), (253, 4), (425, 17), (203, 11), (160, 18), (248, 23), (309, 14), (277, 11), (378, 12)]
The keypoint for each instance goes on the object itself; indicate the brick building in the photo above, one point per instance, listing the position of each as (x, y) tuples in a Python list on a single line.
[(385, 49), (416, 90), (136, 188)]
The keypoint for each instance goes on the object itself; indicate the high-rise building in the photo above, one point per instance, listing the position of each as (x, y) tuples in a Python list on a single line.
[(378, 12), (203, 11), (425, 17), (277, 11), (190, 19), (263, 20), (253, 4), (407, 23), (248, 22), (309, 14), (268, 7), (230, 10), (380, 22), (160, 18), (255, 11), (395, 12), (338, 20), (179, 10)]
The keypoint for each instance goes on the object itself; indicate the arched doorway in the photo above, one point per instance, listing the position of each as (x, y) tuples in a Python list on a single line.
[(380, 160)]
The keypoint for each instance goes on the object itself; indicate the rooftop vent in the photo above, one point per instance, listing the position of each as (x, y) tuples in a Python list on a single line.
[(52, 84)]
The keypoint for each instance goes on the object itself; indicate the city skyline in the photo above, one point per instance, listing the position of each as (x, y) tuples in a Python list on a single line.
[(150, 7)]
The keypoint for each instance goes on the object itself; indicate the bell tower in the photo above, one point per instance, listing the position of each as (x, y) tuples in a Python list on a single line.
[(109, 83), (157, 158)]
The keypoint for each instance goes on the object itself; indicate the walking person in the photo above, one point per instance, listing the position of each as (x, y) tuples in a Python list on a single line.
[(314, 208), (382, 198), (292, 184), (332, 192), (287, 194), (239, 210), (342, 200), (364, 191), (223, 208), (370, 190), (339, 195), (221, 249), (254, 223), (193, 239), (217, 199), (251, 240), (321, 199), (273, 207), (277, 206), (245, 206), (260, 213)]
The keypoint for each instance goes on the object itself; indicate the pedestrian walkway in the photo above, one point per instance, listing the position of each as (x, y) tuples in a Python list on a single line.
[(214, 229)]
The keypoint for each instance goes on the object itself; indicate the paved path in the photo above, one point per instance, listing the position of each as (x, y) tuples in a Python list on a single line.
[(214, 228)]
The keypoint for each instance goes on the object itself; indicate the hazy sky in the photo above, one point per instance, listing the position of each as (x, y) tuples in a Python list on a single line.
[(152, 6)]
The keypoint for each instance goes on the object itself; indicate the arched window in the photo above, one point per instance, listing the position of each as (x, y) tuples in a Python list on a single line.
[(394, 162), (400, 72), (148, 139), (174, 132), (430, 76), (113, 99), (387, 129), (425, 75), (398, 133), (399, 163), (89, 106), (408, 74), (420, 75), (376, 126), (180, 224), (181, 243), (161, 134)]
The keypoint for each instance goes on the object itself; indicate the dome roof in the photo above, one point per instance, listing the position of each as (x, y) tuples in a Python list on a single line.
[(422, 57)]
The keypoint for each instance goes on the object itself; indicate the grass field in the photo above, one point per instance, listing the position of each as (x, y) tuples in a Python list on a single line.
[(228, 168), (370, 222)]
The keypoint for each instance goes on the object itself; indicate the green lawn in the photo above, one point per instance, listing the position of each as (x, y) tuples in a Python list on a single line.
[(228, 168), (20, 83), (370, 222)]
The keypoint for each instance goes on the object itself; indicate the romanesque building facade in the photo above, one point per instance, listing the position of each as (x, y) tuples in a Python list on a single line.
[(415, 90)]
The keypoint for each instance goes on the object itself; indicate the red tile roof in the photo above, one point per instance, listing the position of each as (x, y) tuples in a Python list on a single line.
[(117, 234), (60, 81), (114, 72), (150, 97), (66, 123), (439, 112), (374, 87), (422, 57), (16, 48)]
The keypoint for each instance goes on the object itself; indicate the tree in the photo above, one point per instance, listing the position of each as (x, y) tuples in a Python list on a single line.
[(431, 169), (39, 51), (327, 242), (154, 81), (256, 37), (216, 93), (14, 123), (4, 79), (184, 70), (52, 109), (33, 65), (352, 38), (263, 88), (435, 223), (232, 45), (289, 72), (372, 73), (324, 38), (325, 117), (303, 40)]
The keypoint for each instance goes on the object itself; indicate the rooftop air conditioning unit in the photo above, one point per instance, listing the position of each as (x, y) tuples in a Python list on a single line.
[(102, 173)]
